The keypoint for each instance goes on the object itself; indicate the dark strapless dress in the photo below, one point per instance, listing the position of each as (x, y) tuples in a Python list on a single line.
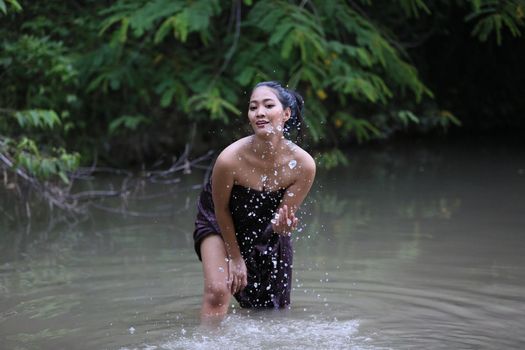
[(268, 256)]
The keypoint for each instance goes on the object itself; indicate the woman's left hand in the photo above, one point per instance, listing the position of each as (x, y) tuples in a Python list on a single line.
[(284, 221)]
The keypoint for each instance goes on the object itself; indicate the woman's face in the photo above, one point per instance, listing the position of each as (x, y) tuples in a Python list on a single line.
[(266, 113)]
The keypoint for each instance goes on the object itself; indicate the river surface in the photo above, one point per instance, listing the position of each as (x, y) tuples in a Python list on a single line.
[(410, 247)]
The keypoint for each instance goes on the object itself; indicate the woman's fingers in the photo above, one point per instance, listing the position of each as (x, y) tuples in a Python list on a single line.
[(229, 281), (237, 279), (240, 286), (284, 221), (235, 285), (244, 282), (284, 217)]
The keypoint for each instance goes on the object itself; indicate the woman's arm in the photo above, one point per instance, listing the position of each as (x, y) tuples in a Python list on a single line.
[(222, 183), (295, 194)]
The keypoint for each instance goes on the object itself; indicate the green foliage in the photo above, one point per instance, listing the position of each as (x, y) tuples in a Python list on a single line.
[(37, 96), (23, 152), (58, 163), (332, 158), (103, 76), (130, 122), (413, 7), (37, 118), (495, 16), (214, 103), (14, 5), (407, 117), (38, 73), (361, 128)]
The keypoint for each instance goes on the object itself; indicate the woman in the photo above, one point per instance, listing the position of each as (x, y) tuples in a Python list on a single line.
[(247, 212)]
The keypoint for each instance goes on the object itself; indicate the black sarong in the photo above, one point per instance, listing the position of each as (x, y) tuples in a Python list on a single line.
[(268, 256)]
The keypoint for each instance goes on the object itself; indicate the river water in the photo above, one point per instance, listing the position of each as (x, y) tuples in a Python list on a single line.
[(410, 247)]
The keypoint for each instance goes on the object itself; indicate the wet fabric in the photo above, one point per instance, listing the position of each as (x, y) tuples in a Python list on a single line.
[(268, 256)]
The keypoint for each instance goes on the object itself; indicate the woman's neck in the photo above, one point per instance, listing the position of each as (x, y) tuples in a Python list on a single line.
[(267, 148)]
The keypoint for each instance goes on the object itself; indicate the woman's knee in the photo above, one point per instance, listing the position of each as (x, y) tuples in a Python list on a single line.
[(216, 293)]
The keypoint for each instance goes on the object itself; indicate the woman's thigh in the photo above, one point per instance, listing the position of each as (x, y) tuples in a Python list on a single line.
[(214, 263)]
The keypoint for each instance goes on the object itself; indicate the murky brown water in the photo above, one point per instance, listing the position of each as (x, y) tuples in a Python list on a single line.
[(406, 248)]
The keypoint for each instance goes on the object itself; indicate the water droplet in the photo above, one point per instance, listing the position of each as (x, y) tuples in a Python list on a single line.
[(292, 164), (131, 330), (288, 222), (291, 194), (221, 269)]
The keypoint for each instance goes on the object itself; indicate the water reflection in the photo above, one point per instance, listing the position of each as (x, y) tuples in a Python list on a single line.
[(405, 249)]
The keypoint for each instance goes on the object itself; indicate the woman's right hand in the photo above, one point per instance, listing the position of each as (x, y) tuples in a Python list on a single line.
[(237, 274), (285, 221)]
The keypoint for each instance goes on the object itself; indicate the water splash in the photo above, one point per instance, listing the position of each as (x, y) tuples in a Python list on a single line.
[(292, 164), (273, 333)]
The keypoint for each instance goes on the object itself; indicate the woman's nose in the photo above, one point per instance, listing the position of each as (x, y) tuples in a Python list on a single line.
[(260, 112)]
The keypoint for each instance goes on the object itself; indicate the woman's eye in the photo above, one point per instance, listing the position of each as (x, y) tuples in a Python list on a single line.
[(253, 108), (269, 106)]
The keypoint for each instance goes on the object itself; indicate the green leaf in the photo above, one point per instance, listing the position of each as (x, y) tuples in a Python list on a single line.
[(63, 177), (37, 118), (412, 7), (407, 117), (144, 18), (332, 158), (246, 76), (121, 34), (164, 29), (130, 122), (15, 4)]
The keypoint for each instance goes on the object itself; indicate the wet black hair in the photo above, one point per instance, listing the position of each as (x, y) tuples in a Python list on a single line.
[(293, 100)]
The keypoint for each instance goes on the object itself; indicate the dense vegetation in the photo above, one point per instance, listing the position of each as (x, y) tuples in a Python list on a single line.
[(129, 82)]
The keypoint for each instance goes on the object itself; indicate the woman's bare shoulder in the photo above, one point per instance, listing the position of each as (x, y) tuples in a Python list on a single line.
[(304, 160), (231, 154)]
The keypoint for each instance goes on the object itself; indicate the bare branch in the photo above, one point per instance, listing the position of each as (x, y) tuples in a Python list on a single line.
[(130, 187)]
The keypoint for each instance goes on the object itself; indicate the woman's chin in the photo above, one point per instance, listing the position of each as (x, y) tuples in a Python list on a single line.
[(266, 131)]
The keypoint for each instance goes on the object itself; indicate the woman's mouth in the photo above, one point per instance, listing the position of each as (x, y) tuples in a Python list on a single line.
[(261, 123)]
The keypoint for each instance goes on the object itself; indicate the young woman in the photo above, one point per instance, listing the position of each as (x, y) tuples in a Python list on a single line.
[(246, 213)]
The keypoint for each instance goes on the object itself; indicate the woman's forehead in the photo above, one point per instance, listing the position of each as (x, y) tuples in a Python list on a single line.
[(263, 93)]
